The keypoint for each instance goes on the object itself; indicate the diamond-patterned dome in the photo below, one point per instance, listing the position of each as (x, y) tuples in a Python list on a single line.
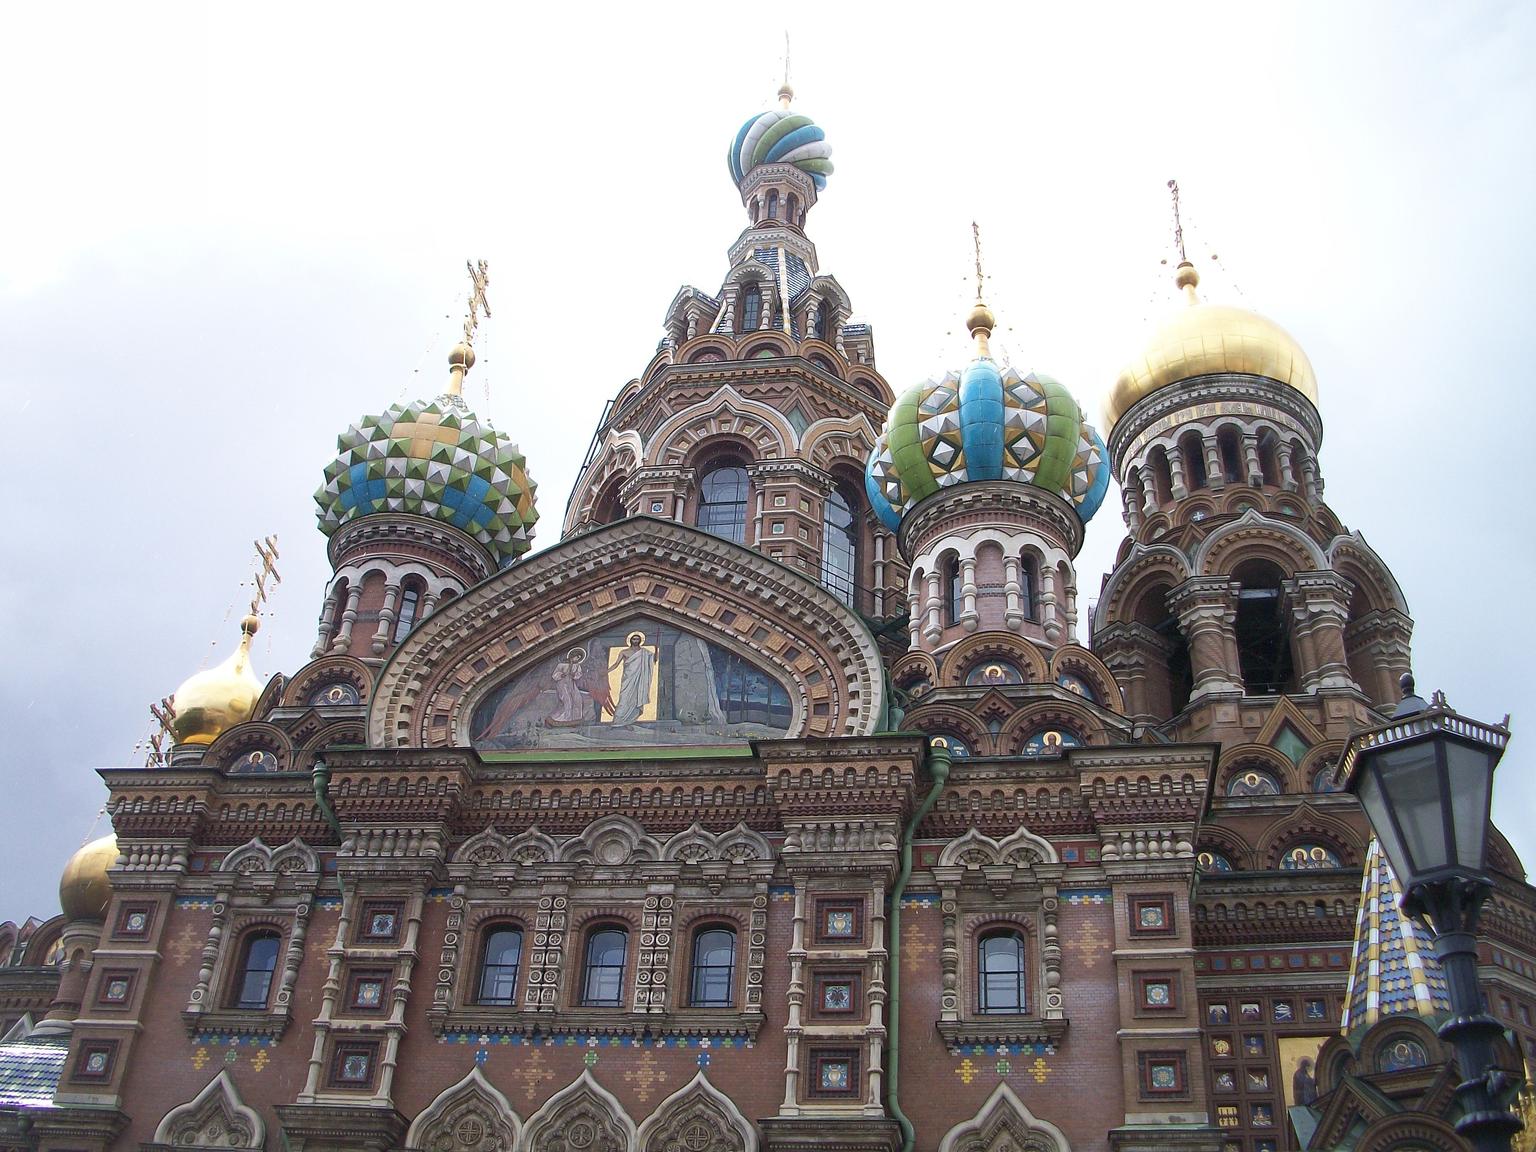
[(433, 458), (988, 423)]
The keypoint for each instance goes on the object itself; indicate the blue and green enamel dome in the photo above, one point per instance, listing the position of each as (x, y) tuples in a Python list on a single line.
[(987, 423), (780, 136), (434, 459)]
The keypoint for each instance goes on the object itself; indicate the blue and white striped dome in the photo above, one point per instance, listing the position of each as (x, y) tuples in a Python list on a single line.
[(780, 136)]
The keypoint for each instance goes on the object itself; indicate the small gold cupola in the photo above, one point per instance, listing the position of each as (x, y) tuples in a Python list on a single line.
[(84, 889), (211, 702)]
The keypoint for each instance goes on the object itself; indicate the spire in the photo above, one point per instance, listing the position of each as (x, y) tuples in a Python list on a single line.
[(1185, 276), (462, 358), (981, 321), (1393, 970), (786, 93)]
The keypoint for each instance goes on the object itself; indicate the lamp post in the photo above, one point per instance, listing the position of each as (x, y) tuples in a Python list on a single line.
[(1425, 780)]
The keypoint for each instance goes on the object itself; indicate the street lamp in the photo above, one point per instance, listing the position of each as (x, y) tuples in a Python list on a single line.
[(1425, 779)]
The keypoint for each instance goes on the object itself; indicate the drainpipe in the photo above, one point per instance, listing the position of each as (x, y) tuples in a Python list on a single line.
[(938, 768), (322, 780)]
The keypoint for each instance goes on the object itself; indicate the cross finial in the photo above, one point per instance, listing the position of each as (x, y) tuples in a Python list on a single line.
[(786, 93), (976, 241), (1178, 226), (266, 565), (479, 277)]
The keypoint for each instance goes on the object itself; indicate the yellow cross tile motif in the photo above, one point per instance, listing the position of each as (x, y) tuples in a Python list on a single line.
[(915, 947), (1039, 1069), (259, 1061), (532, 1073), (645, 1075), (966, 1071), (199, 1058), (184, 944), (1088, 945)]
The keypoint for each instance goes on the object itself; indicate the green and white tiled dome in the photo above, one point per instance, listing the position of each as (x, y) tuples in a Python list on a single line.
[(434, 459)]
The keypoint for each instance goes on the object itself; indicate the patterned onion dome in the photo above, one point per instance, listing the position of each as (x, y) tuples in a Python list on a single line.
[(1208, 339), (780, 136), (433, 458), (988, 423)]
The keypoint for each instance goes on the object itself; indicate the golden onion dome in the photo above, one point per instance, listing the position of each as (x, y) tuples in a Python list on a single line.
[(1204, 339), (214, 701), (84, 889)]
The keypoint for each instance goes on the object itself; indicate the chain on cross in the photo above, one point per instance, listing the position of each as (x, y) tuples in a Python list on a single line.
[(266, 560)]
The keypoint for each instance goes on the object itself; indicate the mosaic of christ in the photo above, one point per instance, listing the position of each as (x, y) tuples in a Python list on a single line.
[(638, 683)]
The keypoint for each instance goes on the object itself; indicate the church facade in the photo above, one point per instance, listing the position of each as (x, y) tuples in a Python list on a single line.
[(792, 799)]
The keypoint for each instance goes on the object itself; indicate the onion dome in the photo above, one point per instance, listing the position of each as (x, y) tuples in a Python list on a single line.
[(84, 890), (987, 423), (780, 136), (435, 459), (213, 701), (1203, 340)]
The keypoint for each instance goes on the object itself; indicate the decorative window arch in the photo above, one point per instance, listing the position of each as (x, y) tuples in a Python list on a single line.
[(773, 203), (954, 596), (723, 498), (791, 209), (215, 1118), (412, 591), (1029, 584), (251, 988), (501, 956), (1192, 450), (1262, 631), (994, 672), (1078, 685), (712, 973), (1398, 1052), (602, 969)]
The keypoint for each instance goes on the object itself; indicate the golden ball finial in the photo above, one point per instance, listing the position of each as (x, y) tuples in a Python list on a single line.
[(84, 889), (1186, 275), (210, 703), (981, 318), (462, 356)]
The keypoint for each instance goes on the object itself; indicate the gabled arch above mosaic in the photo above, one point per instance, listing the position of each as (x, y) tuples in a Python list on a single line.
[(642, 632)]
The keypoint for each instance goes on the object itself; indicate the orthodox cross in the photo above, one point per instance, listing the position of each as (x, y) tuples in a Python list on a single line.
[(164, 713), (1178, 227), (976, 241), (266, 559), (479, 277)]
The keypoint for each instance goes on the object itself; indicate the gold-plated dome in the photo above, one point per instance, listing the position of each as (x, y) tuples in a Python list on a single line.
[(1203, 339), (84, 890), (214, 701)]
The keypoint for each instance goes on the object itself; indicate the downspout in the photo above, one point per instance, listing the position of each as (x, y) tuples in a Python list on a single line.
[(322, 780), (938, 768)]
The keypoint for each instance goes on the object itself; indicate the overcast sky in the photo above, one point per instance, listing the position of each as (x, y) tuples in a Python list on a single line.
[(226, 233)]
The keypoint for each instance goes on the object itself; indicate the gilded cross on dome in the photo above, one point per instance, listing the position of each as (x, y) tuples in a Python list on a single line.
[(479, 277), (266, 558)]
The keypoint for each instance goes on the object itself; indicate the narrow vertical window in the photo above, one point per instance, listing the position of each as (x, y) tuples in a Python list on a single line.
[(723, 502), (791, 208), (954, 596), (773, 204), (839, 546), (410, 602), (1029, 585), (499, 961), (258, 960), (602, 984), (714, 969), (751, 307), (1000, 982)]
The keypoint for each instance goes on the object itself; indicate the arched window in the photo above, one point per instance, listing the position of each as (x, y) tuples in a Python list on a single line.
[(1262, 630), (773, 203), (817, 323), (791, 206), (1029, 585), (499, 960), (1162, 474), (751, 308), (839, 546), (1269, 457), (253, 979), (714, 969), (1192, 449), (723, 501), (1000, 977), (608, 507), (757, 209), (1231, 454), (602, 982), (342, 591), (410, 604), (954, 591)]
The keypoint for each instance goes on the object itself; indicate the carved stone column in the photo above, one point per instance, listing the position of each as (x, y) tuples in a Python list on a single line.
[(343, 639), (1206, 607), (1319, 614), (1215, 473), (1176, 473), (969, 617)]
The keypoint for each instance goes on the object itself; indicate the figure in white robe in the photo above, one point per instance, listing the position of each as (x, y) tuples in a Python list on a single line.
[(634, 680), (572, 703)]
